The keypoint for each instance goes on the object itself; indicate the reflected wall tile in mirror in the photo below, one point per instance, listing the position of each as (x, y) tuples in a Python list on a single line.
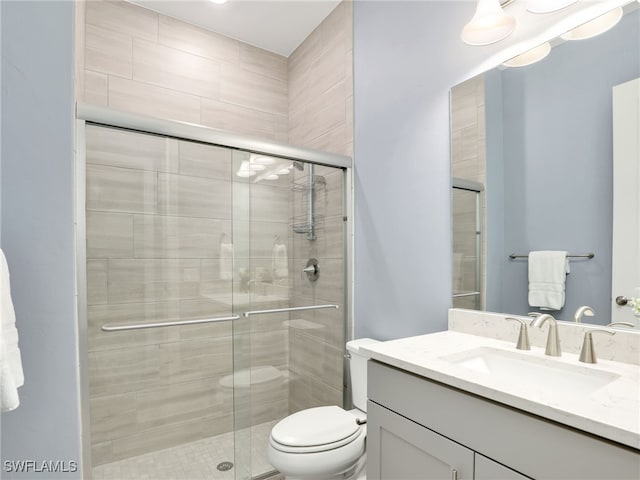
[(190, 360), (312, 358)]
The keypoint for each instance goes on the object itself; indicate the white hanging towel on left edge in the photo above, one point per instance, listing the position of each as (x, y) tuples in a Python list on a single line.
[(547, 275), (11, 375)]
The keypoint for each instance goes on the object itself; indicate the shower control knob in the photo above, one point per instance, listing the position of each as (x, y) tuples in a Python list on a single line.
[(312, 269)]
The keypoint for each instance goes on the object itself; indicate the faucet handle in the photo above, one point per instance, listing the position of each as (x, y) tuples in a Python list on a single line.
[(523, 337), (588, 353), (584, 310)]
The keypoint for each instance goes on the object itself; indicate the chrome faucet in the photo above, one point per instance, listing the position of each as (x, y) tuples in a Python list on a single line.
[(584, 310), (553, 340), (588, 354), (523, 337)]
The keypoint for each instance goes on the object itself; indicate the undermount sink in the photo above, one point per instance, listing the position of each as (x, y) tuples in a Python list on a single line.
[(541, 374)]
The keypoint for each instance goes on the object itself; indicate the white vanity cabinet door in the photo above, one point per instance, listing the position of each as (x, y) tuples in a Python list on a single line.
[(487, 469), (405, 450)]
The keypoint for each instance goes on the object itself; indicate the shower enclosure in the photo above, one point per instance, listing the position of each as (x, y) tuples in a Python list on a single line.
[(467, 244), (201, 326)]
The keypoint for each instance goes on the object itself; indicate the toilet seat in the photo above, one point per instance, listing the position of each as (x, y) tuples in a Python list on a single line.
[(315, 430)]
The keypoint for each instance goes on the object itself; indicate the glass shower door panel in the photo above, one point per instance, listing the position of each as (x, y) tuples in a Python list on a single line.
[(466, 249), (159, 219), (285, 360)]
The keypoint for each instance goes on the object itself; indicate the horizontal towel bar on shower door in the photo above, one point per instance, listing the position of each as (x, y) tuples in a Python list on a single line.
[(177, 323), (292, 309)]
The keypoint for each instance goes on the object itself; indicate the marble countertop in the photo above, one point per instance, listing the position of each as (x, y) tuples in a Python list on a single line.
[(611, 412)]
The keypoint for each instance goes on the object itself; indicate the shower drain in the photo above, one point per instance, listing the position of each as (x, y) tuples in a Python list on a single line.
[(225, 466)]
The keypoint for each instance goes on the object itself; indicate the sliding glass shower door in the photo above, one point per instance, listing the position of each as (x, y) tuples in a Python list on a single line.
[(197, 343)]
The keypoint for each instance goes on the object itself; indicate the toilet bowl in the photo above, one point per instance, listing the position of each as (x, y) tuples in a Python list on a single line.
[(325, 443)]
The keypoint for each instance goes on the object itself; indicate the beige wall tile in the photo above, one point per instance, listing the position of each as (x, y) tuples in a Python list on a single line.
[(121, 189), (109, 235), (101, 453), (154, 101), (177, 403), (96, 282), (156, 236), (191, 360), (201, 160), (237, 119), (124, 370), (243, 87), (132, 280), (96, 88), (189, 38), (263, 62), (108, 51), (312, 358), (113, 416), (281, 129), (121, 148), (123, 17), (181, 195), (175, 69)]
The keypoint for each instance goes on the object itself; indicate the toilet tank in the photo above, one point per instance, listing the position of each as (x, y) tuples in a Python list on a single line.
[(358, 371)]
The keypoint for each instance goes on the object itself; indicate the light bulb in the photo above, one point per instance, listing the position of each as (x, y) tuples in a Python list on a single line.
[(595, 27), (531, 56), (489, 24), (218, 2)]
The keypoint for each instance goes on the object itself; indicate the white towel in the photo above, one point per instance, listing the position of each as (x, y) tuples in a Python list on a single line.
[(547, 275), (11, 375), (279, 261), (226, 261)]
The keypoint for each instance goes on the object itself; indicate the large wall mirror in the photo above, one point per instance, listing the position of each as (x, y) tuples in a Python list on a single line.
[(532, 150)]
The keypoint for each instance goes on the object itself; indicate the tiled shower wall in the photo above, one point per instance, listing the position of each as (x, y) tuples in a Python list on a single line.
[(468, 162), (321, 116), (139, 61)]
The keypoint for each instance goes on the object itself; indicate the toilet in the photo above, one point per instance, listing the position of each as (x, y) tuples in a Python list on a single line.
[(326, 443)]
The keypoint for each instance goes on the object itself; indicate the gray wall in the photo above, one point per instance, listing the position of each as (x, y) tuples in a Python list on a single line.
[(558, 164), (37, 229), (407, 57)]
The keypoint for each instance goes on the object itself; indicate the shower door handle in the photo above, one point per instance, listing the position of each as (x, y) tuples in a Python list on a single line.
[(292, 309), (177, 323)]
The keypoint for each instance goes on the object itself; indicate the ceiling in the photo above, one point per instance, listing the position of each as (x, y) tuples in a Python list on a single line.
[(275, 25)]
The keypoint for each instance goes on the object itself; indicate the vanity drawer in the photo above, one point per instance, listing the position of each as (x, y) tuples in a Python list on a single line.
[(537, 447)]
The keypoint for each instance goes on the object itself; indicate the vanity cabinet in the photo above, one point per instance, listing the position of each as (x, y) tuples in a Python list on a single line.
[(421, 429)]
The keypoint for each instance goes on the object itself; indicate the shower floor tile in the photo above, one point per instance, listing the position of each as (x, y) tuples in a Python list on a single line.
[(191, 461)]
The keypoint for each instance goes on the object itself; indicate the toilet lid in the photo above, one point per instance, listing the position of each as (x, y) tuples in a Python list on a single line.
[(315, 426)]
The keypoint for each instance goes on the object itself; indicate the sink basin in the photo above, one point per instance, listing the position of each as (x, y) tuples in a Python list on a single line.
[(541, 374)]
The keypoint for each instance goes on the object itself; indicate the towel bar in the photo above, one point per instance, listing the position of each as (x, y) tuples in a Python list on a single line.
[(121, 328), (582, 255)]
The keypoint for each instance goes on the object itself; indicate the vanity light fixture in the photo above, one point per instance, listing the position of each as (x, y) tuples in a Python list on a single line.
[(595, 27), (489, 24), (548, 6), (529, 57)]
